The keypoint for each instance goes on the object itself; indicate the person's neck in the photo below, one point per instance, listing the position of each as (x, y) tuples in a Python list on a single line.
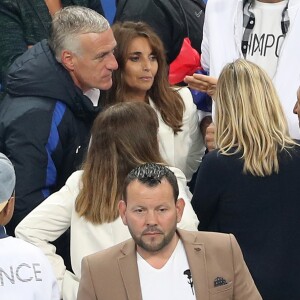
[(53, 6), (158, 259), (136, 97)]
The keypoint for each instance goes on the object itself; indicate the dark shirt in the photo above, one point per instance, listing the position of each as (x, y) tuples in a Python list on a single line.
[(263, 214), (24, 23)]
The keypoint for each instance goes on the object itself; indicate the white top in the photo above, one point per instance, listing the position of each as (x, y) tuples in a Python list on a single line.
[(57, 213), (266, 38), (93, 95), (172, 281), (185, 149), (222, 36), (25, 272)]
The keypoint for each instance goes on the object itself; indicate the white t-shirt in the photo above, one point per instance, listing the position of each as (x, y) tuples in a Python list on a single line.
[(266, 38), (172, 281), (25, 272)]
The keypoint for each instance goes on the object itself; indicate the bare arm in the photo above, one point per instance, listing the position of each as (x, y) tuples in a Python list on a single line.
[(209, 137)]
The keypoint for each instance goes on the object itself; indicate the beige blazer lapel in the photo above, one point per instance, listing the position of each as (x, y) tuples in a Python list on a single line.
[(195, 252), (129, 271)]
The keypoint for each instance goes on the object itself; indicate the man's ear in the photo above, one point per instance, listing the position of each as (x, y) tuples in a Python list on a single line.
[(8, 210), (67, 59), (122, 211), (180, 204)]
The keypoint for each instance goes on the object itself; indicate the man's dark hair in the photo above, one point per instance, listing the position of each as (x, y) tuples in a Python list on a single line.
[(151, 174)]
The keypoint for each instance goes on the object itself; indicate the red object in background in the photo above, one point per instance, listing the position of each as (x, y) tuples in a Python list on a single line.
[(186, 63)]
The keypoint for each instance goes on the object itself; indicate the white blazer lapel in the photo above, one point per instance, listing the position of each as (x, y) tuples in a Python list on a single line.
[(165, 138)]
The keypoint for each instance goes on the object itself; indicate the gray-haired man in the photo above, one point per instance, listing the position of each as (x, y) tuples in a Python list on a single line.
[(51, 102)]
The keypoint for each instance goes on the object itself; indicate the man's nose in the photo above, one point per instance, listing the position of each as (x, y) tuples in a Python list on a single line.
[(112, 63), (151, 218)]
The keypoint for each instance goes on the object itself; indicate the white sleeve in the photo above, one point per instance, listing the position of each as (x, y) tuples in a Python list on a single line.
[(189, 219), (205, 54), (205, 58), (51, 291), (49, 221)]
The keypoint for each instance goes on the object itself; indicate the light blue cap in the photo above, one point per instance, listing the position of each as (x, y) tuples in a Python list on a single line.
[(7, 179)]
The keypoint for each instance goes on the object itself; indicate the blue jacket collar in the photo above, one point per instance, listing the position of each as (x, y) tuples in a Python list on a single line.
[(2, 232)]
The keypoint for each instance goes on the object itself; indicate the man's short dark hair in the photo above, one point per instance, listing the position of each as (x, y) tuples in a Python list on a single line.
[(151, 174)]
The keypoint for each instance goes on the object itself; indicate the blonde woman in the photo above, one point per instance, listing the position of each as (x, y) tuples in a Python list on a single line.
[(124, 136), (249, 185)]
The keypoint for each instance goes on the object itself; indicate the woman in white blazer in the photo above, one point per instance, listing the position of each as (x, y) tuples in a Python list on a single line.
[(123, 137), (142, 76)]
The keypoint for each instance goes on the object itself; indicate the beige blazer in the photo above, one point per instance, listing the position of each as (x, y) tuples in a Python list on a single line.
[(113, 273)]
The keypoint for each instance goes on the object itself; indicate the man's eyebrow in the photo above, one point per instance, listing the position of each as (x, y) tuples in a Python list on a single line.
[(138, 206), (102, 54)]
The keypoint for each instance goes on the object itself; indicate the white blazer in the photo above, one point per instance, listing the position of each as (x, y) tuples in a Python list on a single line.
[(185, 149)]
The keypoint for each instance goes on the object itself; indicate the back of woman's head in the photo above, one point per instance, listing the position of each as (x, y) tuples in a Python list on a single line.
[(126, 130), (123, 136), (249, 117)]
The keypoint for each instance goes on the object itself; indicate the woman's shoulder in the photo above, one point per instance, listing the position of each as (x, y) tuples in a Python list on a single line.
[(187, 98), (74, 181), (291, 153), (218, 160), (184, 93)]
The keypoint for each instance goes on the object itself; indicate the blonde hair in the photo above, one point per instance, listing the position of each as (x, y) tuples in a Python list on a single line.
[(123, 137), (249, 118)]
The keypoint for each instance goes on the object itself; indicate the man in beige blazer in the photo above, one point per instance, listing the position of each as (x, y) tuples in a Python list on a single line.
[(161, 261)]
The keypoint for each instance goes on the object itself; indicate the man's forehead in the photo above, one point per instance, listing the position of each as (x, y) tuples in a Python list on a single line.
[(162, 182), (136, 187), (94, 46), (101, 39)]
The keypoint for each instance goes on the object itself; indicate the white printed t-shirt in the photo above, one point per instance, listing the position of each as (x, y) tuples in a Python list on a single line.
[(266, 38), (25, 272), (172, 281)]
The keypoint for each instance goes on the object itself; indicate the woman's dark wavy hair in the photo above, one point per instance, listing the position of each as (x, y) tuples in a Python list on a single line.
[(167, 100)]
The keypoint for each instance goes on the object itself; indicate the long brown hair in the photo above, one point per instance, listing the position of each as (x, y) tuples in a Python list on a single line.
[(167, 100), (123, 137)]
